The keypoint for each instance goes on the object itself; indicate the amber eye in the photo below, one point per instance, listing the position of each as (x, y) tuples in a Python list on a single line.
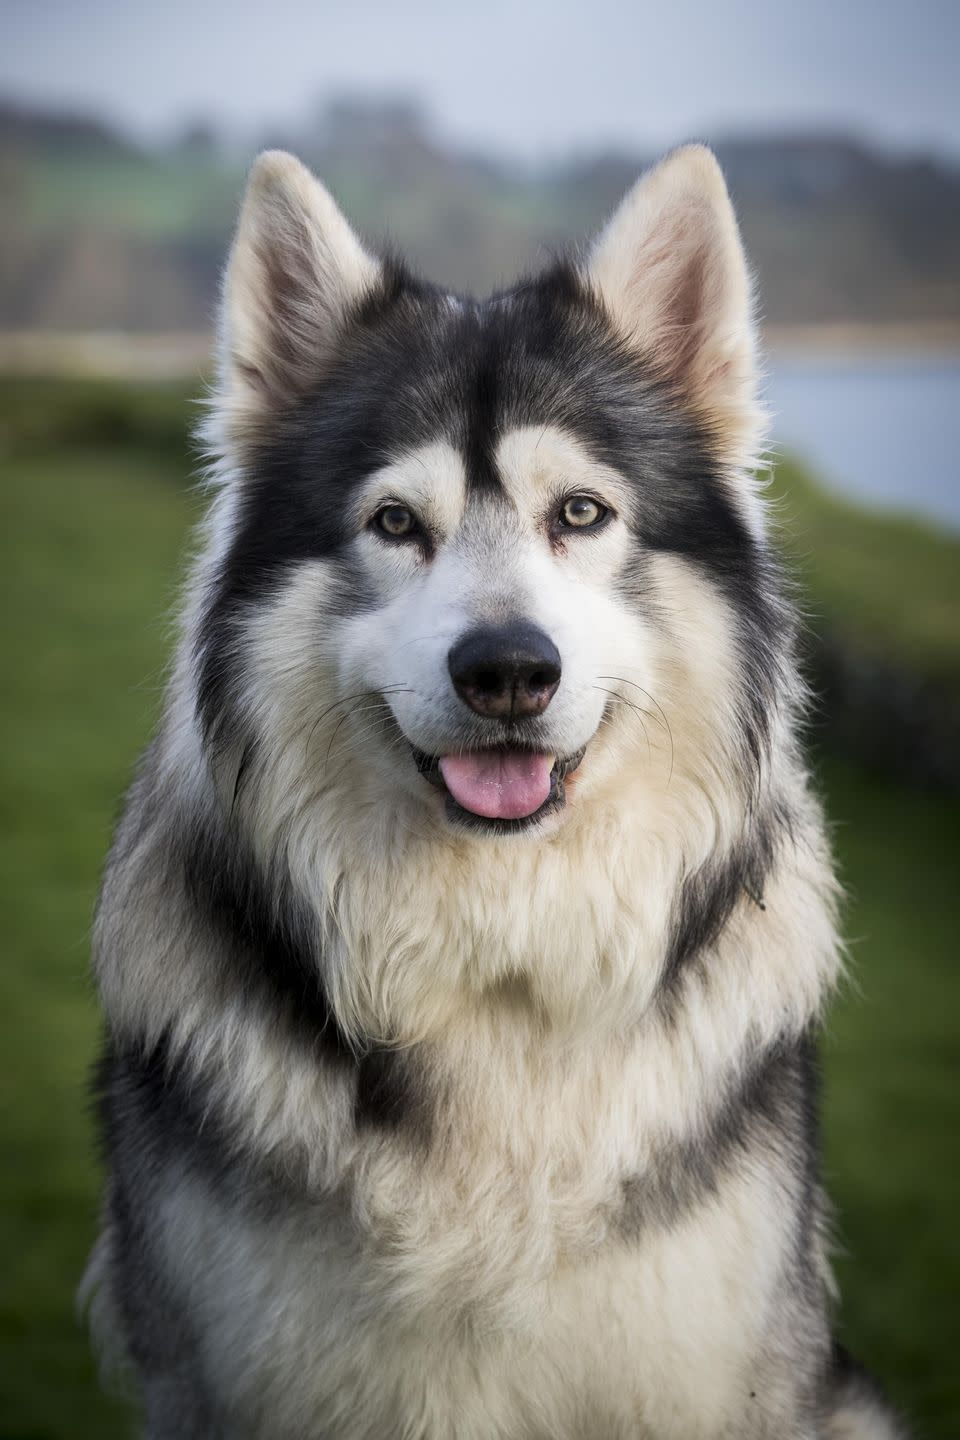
[(581, 512), (396, 521)]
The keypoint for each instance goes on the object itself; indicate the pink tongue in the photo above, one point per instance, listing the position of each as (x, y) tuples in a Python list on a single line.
[(499, 785)]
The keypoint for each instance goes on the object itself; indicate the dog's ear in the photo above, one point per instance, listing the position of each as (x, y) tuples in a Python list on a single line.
[(670, 270), (295, 271)]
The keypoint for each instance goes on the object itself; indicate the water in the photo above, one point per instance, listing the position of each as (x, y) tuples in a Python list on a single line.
[(885, 432)]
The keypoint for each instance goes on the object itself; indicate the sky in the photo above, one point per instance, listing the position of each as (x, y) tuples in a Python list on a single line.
[(529, 78)]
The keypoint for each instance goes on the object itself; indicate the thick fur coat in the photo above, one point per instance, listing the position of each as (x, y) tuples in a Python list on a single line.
[(460, 1075)]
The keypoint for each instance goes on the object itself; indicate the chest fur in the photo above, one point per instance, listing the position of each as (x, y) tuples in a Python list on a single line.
[(522, 1317)]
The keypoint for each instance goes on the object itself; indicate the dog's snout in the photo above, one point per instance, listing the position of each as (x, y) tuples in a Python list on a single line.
[(506, 673)]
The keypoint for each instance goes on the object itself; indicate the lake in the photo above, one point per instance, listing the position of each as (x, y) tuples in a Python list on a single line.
[(884, 431)]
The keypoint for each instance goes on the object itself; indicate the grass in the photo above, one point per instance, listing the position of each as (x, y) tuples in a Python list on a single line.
[(90, 553), (92, 525), (157, 197), (890, 586), (892, 1099)]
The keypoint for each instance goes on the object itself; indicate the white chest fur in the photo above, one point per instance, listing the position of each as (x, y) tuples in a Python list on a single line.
[(309, 1329), (480, 1287)]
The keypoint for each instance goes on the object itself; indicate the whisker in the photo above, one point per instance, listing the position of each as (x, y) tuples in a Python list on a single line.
[(422, 639), (379, 705), (630, 706), (622, 680), (346, 699), (358, 736)]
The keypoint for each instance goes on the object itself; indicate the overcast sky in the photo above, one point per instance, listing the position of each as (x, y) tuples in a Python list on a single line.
[(527, 77)]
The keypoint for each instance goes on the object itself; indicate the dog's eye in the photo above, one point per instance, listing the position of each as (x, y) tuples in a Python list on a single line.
[(396, 521), (581, 512)]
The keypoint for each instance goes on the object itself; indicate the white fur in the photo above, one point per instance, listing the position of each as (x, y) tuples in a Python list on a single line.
[(553, 1350), (321, 269)]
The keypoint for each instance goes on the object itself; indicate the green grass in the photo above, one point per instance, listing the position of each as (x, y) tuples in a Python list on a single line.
[(892, 1097), (92, 522), (91, 546), (889, 584), (159, 197)]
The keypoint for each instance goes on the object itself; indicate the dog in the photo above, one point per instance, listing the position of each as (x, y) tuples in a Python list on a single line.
[(465, 937)]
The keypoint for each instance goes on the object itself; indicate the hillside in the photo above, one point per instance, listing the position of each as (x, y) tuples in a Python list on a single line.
[(98, 233)]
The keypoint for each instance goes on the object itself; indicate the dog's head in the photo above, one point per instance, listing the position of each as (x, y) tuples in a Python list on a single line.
[(480, 561)]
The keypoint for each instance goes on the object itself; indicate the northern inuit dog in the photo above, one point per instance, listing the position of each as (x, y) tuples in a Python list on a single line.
[(470, 921)]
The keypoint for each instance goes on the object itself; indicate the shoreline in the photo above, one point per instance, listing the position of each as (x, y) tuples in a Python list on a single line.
[(125, 355), (841, 339)]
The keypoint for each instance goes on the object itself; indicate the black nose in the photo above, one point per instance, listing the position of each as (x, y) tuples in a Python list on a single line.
[(506, 673)]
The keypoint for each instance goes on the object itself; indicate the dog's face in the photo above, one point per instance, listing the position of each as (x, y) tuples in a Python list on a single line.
[(496, 622), (475, 555)]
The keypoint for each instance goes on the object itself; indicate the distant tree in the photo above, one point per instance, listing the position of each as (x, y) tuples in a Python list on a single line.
[(357, 122), (198, 139)]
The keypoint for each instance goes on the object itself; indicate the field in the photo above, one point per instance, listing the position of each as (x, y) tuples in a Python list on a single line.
[(95, 507)]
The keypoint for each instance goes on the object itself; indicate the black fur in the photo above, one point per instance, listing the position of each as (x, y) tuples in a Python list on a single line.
[(391, 1094), (267, 933), (851, 1385), (767, 1108), (146, 1120), (147, 1106), (709, 895), (268, 937)]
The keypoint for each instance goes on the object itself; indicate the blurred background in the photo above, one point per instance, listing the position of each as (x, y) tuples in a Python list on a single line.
[(480, 139)]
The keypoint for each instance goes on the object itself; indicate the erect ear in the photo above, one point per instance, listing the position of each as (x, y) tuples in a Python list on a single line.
[(671, 272), (295, 271)]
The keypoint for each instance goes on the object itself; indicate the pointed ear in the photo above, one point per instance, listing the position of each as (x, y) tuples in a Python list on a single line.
[(295, 271), (671, 273)]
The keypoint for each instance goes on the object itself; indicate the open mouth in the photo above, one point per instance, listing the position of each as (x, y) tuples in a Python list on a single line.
[(503, 789)]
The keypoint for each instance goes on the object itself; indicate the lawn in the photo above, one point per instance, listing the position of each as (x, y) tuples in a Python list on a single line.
[(888, 585), (93, 522)]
